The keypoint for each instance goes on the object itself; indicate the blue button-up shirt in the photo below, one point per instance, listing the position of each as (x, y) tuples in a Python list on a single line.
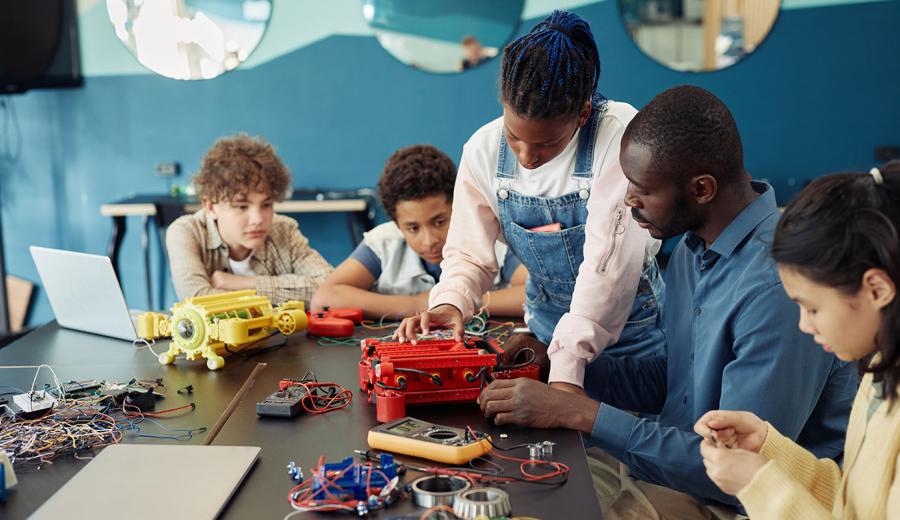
[(733, 343)]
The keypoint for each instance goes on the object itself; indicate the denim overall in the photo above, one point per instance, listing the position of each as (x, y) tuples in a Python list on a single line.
[(553, 258)]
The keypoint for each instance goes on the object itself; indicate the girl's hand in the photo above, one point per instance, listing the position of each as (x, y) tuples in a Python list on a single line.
[(730, 469), (729, 429), (442, 315)]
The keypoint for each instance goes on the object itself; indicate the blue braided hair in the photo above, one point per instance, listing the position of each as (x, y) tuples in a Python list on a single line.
[(551, 71)]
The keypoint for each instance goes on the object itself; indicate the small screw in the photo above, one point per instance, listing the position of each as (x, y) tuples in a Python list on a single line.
[(295, 471)]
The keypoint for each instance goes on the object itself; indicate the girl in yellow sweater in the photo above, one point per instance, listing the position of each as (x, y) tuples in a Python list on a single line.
[(838, 251)]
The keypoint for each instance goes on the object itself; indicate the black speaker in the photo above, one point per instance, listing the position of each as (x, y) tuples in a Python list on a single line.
[(38, 45)]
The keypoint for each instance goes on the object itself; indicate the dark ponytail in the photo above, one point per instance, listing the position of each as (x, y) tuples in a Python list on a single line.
[(836, 229), (551, 71)]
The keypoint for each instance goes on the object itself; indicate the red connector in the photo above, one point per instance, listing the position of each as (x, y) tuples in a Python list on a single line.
[(335, 323)]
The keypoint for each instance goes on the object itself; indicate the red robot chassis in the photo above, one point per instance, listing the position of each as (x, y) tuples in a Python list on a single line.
[(431, 371)]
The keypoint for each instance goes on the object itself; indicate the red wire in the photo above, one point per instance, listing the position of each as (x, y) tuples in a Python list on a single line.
[(171, 410), (561, 469), (316, 404), (139, 413), (473, 478)]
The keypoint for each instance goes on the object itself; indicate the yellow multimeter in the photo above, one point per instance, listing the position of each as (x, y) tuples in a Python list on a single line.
[(422, 439)]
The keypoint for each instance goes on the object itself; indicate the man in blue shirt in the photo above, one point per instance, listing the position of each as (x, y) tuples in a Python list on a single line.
[(731, 330)]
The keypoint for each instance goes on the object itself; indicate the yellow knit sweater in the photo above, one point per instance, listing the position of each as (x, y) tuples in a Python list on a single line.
[(795, 484)]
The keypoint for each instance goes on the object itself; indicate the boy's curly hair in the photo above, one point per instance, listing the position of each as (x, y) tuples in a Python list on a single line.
[(240, 163), (413, 173)]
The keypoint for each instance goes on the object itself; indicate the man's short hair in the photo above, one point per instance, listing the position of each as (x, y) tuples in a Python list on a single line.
[(689, 131), (413, 173), (238, 164)]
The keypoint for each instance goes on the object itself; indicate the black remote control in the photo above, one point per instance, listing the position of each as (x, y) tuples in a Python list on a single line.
[(286, 403)]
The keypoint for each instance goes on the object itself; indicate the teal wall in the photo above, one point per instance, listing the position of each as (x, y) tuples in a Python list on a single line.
[(448, 20), (816, 97)]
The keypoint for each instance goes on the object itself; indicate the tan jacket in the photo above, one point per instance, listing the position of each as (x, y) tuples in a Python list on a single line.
[(286, 267), (795, 484)]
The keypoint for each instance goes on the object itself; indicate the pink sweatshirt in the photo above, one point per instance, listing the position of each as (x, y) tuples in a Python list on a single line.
[(614, 248)]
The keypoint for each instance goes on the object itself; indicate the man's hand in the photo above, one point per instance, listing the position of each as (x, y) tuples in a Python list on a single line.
[(231, 282), (730, 469), (531, 403), (514, 346), (440, 315)]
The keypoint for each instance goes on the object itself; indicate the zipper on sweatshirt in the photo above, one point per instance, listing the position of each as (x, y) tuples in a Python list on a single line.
[(617, 231)]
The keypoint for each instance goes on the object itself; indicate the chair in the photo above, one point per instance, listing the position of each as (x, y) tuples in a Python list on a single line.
[(166, 213)]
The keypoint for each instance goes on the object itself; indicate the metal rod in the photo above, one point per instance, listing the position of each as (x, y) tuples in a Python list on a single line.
[(233, 404)]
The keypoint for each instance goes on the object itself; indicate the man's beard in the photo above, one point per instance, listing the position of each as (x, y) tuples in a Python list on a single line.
[(682, 220)]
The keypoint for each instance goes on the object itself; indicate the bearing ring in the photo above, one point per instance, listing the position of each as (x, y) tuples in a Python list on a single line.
[(481, 503), (438, 490)]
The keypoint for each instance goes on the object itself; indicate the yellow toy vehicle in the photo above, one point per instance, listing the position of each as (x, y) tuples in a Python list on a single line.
[(208, 326)]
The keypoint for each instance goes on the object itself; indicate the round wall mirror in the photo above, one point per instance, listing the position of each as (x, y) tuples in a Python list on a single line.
[(698, 35), (443, 36), (190, 39)]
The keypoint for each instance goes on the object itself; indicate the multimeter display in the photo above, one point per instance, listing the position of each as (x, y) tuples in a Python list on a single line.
[(406, 425), (422, 439)]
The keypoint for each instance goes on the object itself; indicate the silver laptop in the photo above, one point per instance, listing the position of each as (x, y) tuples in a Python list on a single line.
[(84, 292), (149, 482)]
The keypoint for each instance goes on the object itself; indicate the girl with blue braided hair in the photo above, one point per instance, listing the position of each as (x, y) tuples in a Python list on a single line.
[(545, 178)]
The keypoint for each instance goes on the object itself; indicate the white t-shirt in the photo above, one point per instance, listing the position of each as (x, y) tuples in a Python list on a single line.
[(400, 270), (241, 267), (552, 179)]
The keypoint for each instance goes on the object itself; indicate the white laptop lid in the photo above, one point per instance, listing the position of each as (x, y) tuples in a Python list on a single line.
[(163, 481), (84, 292)]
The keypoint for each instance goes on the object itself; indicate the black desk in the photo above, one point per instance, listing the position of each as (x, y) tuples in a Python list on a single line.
[(335, 435)]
